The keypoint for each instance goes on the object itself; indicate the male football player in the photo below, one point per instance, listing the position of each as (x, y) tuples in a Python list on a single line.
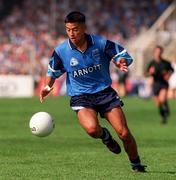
[(85, 59), (161, 71)]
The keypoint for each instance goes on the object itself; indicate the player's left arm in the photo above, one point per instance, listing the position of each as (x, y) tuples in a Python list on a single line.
[(167, 73), (118, 55)]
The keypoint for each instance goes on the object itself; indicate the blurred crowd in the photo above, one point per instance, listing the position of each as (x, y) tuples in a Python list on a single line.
[(30, 29)]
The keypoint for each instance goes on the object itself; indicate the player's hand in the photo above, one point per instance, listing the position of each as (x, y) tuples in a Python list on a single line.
[(122, 64), (166, 75), (44, 92), (151, 70)]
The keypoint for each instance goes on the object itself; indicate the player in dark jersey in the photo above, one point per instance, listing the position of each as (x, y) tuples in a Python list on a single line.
[(160, 70), (85, 59)]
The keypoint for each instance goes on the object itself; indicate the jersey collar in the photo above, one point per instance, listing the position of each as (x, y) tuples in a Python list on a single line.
[(89, 38)]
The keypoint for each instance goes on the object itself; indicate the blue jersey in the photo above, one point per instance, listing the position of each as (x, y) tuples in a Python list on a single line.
[(88, 71)]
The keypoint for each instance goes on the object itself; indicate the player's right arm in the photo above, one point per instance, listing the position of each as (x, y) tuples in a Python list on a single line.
[(47, 88), (55, 70), (150, 69)]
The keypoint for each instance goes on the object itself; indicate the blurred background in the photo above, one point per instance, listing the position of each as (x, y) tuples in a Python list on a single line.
[(30, 29)]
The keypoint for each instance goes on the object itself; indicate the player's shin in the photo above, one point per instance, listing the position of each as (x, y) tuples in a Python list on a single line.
[(166, 108), (110, 143), (105, 135), (164, 111)]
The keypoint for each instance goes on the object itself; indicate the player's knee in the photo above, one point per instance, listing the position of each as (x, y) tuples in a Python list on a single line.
[(93, 131), (124, 135)]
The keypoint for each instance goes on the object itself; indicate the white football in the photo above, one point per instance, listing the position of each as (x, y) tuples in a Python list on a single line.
[(41, 124)]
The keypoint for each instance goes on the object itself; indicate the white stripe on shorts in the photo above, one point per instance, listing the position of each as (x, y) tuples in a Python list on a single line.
[(76, 108)]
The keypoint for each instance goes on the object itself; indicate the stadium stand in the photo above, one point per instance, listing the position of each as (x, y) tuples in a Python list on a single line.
[(162, 32), (29, 29)]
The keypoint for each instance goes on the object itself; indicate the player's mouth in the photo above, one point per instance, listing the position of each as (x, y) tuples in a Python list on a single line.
[(73, 39)]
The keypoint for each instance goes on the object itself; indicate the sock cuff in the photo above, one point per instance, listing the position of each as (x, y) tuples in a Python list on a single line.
[(105, 134), (136, 161)]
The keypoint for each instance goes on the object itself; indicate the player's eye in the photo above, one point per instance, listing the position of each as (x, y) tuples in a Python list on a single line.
[(72, 30), (75, 30)]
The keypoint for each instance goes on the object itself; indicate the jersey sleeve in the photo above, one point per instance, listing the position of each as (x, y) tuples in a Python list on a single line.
[(55, 66), (170, 68), (116, 52)]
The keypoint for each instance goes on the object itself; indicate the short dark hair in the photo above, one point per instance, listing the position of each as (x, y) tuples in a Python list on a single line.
[(159, 47), (75, 17)]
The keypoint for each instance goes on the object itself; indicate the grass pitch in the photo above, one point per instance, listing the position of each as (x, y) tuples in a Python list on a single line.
[(70, 154)]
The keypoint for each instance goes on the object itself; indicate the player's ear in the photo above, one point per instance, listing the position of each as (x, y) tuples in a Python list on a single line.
[(84, 26)]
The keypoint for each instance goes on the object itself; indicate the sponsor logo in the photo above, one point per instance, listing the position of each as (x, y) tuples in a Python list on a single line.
[(87, 70), (33, 129)]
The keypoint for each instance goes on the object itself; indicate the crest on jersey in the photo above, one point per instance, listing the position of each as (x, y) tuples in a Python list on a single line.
[(96, 53), (73, 61)]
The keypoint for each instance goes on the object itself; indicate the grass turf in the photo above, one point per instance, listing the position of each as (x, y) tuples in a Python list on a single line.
[(69, 154)]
